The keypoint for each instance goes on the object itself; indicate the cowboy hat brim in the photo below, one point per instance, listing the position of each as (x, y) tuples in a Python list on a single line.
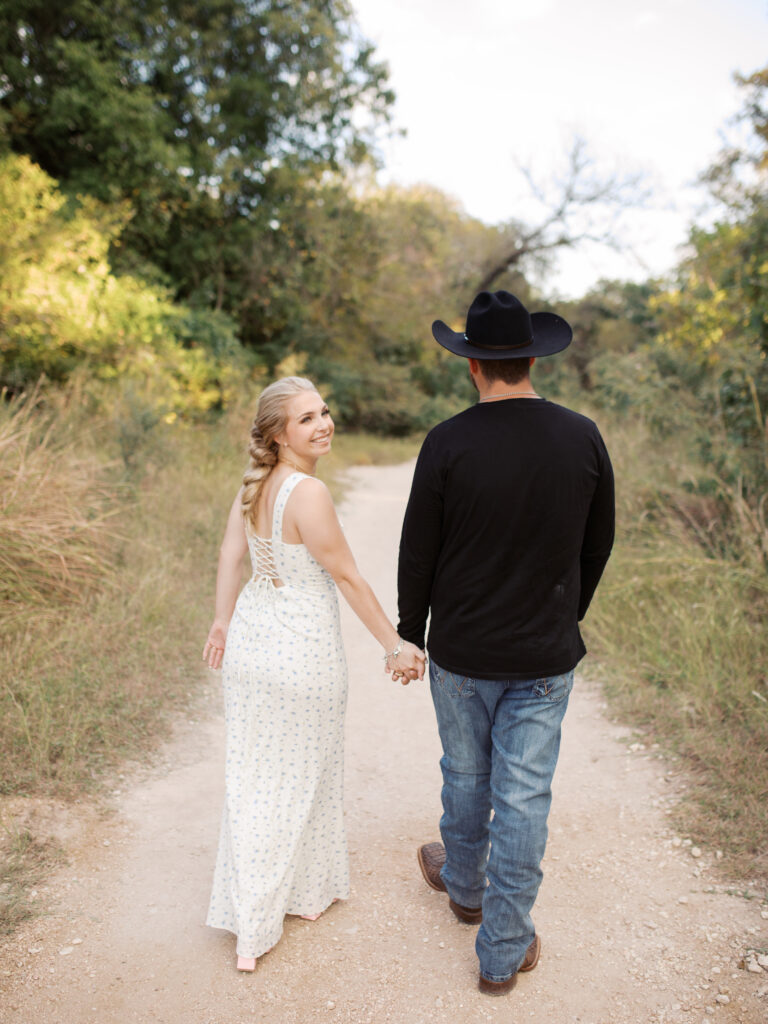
[(551, 334)]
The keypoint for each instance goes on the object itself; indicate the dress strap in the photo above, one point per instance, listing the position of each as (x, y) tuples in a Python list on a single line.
[(286, 488)]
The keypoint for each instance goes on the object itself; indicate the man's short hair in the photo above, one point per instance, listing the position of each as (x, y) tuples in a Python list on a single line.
[(510, 371)]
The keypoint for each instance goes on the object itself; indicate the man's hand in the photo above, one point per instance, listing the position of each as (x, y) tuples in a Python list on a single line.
[(409, 664)]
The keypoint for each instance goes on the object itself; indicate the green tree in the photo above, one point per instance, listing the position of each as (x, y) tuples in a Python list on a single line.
[(612, 319), (716, 318), (188, 110), (62, 310)]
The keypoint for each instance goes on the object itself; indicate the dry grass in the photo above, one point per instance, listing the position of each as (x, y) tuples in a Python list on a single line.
[(108, 579), (100, 634), (24, 862), (680, 639), (55, 508)]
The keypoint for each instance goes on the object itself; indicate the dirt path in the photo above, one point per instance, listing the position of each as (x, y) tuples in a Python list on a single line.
[(635, 929)]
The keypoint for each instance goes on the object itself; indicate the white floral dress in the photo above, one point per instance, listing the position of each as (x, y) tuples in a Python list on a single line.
[(282, 848)]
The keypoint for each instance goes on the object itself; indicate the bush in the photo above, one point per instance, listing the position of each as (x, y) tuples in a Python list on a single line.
[(383, 399), (64, 312)]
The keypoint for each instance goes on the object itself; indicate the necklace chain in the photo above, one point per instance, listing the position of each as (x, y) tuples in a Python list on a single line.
[(295, 466), (512, 394)]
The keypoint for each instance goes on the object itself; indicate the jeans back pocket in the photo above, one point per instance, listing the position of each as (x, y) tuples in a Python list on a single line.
[(453, 684), (554, 688)]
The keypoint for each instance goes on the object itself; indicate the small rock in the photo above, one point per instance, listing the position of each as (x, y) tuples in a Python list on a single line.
[(754, 967), (695, 852), (762, 959), (677, 841), (330, 1005), (683, 899), (76, 942), (722, 998), (105, 842), (718, 854), (65, 951), (710, 1010), (35, 949), (441, 945)]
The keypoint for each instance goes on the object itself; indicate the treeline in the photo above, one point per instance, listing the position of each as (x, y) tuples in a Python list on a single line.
[(690, 355), (187, 204)]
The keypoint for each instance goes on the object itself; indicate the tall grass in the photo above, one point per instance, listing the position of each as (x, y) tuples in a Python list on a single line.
[(54, 511), (24, 861), (101, 570), (108, 561), (679, 630)]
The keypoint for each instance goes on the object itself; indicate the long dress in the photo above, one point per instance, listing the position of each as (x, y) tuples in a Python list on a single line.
[(282, 847)]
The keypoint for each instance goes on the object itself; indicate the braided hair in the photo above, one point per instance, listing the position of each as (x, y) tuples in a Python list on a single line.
[(263, 448)]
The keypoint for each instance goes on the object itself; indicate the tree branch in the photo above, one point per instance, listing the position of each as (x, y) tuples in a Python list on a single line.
[(584, 206)]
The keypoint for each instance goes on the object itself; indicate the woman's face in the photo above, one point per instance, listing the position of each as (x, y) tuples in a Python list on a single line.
[(308, 428)]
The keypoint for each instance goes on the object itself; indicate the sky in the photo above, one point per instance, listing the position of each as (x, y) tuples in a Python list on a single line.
[(487, 87)]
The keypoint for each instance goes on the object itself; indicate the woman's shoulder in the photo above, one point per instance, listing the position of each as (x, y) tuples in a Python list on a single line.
[(310, 486), (309, 491), (310, 504)]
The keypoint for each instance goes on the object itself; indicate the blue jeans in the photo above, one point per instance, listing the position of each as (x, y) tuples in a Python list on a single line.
[(500, 742)]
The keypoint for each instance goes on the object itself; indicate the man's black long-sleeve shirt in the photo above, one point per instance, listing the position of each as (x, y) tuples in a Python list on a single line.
[(508, 528)]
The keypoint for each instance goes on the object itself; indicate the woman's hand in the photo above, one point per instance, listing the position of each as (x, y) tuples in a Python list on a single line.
[(409, 663), (213, 652)]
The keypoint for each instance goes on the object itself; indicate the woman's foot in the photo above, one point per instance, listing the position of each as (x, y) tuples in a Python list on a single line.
[(314, 917), (246, 963)]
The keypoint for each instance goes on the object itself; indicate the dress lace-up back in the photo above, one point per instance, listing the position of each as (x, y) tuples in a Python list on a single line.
[(282, 848), (263, 559)]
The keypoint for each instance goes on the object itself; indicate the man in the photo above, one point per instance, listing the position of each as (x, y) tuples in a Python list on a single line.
[(508, 528)]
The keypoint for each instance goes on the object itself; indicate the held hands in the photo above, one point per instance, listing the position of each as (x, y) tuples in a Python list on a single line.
[(213, 652), (406, 662)]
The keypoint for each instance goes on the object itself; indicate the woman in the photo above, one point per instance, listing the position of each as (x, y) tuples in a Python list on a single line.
[(282, 848)]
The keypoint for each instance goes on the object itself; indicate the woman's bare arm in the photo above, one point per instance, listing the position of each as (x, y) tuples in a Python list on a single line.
[(312, 510), (233, 549)]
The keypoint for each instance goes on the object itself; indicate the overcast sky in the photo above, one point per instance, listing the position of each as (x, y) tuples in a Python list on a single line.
[(486, 85)]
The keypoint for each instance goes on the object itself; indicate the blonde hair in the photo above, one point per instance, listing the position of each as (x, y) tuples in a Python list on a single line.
[(263, 448)]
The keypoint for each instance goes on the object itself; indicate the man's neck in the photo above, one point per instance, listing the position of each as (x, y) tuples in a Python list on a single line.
[(498, 391)]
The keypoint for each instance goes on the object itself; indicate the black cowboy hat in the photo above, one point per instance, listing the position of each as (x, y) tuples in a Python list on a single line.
[(500, 327)]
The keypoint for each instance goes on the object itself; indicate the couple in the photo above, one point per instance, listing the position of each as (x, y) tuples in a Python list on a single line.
[(506, 533)]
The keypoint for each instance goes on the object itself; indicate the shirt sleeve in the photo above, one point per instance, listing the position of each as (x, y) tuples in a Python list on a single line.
[(419, 546), (599, 530)]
